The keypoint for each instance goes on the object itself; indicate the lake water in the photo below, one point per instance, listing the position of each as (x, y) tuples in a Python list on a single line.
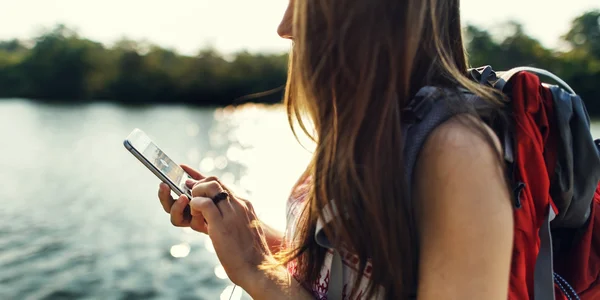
[(79, 215)]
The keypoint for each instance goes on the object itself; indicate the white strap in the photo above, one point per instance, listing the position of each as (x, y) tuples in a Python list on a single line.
[(329, 212), (335, 289)]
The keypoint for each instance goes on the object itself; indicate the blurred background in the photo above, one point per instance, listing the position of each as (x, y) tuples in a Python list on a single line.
[(79, 215)]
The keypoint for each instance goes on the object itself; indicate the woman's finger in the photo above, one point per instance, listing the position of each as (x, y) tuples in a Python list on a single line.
[(208, 209), (198, 222), (190, 183), (178, 217), (195, 174), (208, 189), (213, 178), (212, 189), (164, 195)]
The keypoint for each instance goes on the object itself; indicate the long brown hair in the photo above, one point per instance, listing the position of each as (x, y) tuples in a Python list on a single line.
[(353, 68)]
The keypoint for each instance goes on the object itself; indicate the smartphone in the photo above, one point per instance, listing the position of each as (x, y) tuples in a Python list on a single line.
[(150, 155)]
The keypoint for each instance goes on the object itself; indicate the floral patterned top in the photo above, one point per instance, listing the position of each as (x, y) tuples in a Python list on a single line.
[(319, 288)]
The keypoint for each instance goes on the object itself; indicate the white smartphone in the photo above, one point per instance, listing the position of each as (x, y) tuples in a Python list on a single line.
[(150, 155)]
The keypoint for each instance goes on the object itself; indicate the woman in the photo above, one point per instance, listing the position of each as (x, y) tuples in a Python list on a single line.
[(355, 65)]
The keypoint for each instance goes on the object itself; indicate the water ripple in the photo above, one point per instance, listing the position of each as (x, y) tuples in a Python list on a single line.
[(81, 219)]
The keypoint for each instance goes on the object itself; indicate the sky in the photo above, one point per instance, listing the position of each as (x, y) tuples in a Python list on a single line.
[(233, 25)]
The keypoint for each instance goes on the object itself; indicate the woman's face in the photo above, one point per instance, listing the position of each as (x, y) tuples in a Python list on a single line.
[(285, 27)]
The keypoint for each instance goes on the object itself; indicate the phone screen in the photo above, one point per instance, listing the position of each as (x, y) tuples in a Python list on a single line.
[(163, 163)]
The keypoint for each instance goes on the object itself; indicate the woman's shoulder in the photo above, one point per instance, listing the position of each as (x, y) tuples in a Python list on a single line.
[(462, 147), (463, 134)]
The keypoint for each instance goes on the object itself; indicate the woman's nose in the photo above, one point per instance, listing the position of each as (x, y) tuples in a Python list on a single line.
[(285, 27), (285, 30)]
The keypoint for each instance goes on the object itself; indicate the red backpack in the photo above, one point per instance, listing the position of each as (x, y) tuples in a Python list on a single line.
[(554, 167)]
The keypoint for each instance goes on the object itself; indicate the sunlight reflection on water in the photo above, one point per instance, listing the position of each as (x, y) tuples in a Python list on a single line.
[(99, 231), (273, 159), (262, 141), (220, 272), (180, 250)]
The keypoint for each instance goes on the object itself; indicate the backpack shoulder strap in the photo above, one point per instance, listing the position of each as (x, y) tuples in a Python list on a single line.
[(430, 107)]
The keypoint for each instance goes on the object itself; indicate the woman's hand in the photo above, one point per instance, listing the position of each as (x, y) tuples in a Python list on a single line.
[(241, 241), (236, 233), (179, 209)]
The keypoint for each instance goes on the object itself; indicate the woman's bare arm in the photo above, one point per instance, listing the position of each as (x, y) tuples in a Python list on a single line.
[(466, 217), (276, 283), (274, 238)]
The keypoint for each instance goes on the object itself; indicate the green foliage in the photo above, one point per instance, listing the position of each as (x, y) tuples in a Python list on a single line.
[(579, 66), (59, 65), (585, 33), (62, 66)]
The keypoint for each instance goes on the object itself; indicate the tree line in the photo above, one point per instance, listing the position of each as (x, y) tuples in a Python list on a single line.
[(60, 65)]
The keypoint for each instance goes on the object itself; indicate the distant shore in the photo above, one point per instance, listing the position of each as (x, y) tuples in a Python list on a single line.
[(62, 67)]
